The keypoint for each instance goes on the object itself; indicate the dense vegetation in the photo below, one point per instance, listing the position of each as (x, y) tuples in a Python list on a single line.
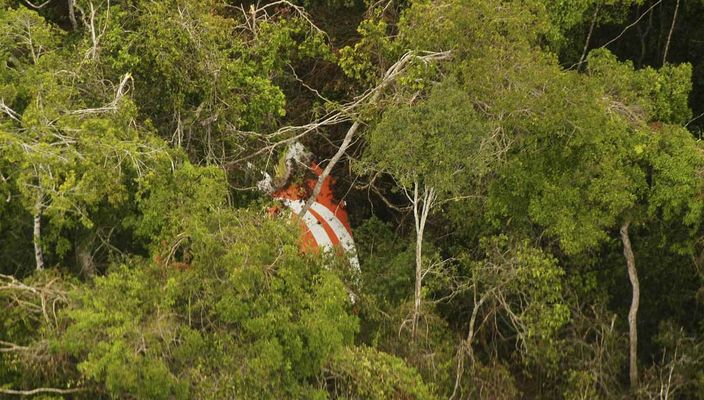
[(525, 181)]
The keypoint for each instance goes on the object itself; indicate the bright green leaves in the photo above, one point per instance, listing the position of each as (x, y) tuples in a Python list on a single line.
[(24, 38), (672, 158), (365, 373), (469, 27), (76, 148), (367, 59), (192, 76), (118, 329), (652, 95), (526, 282), (269, 308), (80, 166), (525, 169), (440, 141), (174, 201), (582, 167), (567, 16), (203, 74), (676, 188), (27, 47), (571, 169), (236, 311)]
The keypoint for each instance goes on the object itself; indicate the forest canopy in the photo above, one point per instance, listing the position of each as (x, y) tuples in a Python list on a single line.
[(524, 181)]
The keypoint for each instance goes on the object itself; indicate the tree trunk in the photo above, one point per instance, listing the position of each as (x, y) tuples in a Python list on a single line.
[(633, 312), (420, 214), (37, 235), (72, 14), (84, 258)]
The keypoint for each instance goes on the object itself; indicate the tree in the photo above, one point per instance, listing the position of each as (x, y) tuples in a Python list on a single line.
[(425, 147)]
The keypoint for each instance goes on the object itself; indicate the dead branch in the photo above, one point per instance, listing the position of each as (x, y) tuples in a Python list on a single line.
[(46, 294), (72, 14), (37, 232), (37, 6), (258, 14), (110, 107), (633, 310), (7, 347), (36, 391), (8, 111)]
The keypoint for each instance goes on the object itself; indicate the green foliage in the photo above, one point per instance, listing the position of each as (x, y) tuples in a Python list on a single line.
[(677, 164), (439, 141), (584, 177), (659, 95), (386, 260), (201, 76), (452, 25), (126, 142), (528, 288), (365, 373), (365, 61), (226, 314), (114, 339), (566, 16)]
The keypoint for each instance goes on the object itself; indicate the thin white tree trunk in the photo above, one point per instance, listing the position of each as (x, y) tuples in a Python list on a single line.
[(421, 209), (37, 235), (466, 346), (633, 312)]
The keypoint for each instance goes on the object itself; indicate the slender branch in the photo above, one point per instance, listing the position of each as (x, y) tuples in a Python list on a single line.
[(694, 119), (37, 6), (328, 168), (251, 17), (36, 391), (669, 35), (632, 24), (112, 106), (7, 347), (8, 111), (589, 35)]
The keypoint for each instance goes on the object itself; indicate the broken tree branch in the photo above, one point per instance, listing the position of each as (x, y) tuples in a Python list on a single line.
[(112, 106)]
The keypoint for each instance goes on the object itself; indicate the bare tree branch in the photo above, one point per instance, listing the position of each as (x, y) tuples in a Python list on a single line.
[(632, 24), (669, 35), (37, 6), (72, 14), (112, 106), (37, 232), (258, 13), (36, 391), (8, 111), (589, 35)]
